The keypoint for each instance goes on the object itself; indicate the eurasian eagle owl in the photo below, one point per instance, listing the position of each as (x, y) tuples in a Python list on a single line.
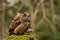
[(20, 24)]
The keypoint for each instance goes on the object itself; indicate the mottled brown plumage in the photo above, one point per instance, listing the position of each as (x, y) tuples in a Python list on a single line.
[(20, 24)]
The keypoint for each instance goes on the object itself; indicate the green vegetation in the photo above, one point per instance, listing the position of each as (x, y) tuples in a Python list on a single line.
[(21, 37)]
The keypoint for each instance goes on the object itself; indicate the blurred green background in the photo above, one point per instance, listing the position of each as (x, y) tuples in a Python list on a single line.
[(46, 22)]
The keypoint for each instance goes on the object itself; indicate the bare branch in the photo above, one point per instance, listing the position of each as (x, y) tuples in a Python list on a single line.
[(43, 8), (36, 9), (51, 25), (40, 22), (44, 13), (52, 11)]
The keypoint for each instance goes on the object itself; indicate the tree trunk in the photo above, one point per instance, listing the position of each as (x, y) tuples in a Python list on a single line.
[(2, 10)]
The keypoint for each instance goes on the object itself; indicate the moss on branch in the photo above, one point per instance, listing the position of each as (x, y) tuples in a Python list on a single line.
[(21, 37)]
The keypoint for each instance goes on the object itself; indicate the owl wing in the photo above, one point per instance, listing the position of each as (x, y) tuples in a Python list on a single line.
[(14, 23), (20, 29)]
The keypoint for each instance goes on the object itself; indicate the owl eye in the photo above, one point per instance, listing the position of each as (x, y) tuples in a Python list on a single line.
[(25, 15)]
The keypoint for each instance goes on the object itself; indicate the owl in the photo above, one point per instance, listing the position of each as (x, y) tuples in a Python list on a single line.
[(20, 24)]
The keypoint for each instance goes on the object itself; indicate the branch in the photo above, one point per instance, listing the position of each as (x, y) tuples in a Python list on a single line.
[(51, 25), (40, 22), (36, 9), (44, 13), (52, 11), (43, 8), (35, 12)]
